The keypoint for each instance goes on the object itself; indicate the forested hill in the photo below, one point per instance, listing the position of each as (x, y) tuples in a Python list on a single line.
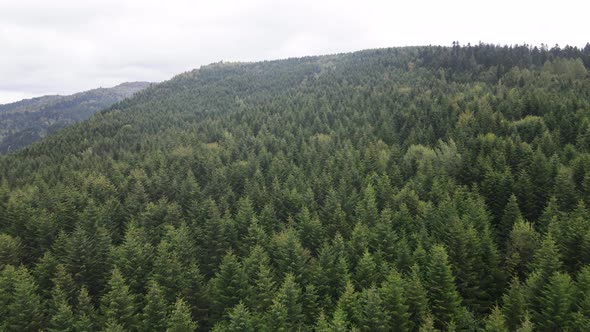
[(402, 189), (27, 121)]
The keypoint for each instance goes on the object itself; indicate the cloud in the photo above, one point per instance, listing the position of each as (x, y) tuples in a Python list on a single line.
[(65, 46)]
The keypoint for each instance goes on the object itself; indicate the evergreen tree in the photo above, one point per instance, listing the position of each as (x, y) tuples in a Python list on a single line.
[(372, 317), (495, 321), (156, 309), (11, 250), (349, 303), (134, 257), (118, 305), (394, 302), (416, 299), (20, 304), (240, 319), (366, 274), (558, 300), (510, 217), (515, 304), (289, 298), (180, 319), (86, 315), (565, 190), (444, 300), (63, 319), (228, 286)]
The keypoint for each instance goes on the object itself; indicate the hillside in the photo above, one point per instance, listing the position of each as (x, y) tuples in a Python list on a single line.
[(25, 122), (400, 189)]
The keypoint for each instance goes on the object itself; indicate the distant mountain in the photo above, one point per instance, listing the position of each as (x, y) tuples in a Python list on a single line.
[(25, 122)]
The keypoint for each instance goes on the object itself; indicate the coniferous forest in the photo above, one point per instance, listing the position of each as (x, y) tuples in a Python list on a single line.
[(403, 189)]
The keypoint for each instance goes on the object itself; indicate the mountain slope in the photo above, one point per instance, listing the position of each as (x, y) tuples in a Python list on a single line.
[(387, 190), (26, 121)]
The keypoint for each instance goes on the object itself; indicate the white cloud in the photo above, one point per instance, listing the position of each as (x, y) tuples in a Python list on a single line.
[(65, 46)]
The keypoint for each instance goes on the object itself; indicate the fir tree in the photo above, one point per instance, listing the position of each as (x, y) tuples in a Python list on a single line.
[(372, 316), (228, 286), (394, 302), (118, 305), (241, 320), (155, 311), (495, 321), (558, 303), (180, 319), (444, 300), (515, 304)]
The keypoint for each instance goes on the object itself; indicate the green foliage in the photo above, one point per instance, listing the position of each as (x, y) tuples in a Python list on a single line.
[(180, 319), (118, 305), (495, 321), (156, 309), (10, 251), (410, 189), (20, 305), (444, 299), (558, 299)]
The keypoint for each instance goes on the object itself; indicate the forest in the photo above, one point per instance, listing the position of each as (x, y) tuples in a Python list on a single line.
[(403, 189), (27, 121)]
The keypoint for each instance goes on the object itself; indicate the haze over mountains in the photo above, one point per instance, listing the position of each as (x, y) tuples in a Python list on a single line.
[(25, 122)]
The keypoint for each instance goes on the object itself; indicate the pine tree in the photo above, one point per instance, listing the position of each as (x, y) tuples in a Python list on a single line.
[(510, 217), (339, 321), (241, 320), (263, 289), (349, 303), (515, 304), (228, 285), (244, 216), (156, 308), (134, 257), (288, 255), (276, 318), (180, 319), (372, 316), (557, 303), (63, 319), (11, 250), (311, 231), (444, 299), (428, 325), (118, 304), (86, 315), (88, 256), (322, 324), (583, 298), (526, 326), (310, 304), (366, 274), (20, 305), (565, 190), (289, 297), (416, 298), (547, 258), (394, 302), (495, 321)]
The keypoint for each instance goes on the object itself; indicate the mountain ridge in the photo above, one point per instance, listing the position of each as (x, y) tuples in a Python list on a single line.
[(26, 121)]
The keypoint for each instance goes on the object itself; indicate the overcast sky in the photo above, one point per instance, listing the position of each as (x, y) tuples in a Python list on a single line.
[(66, 46)]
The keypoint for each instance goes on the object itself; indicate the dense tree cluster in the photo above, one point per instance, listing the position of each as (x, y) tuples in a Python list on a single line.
[(404, 189)]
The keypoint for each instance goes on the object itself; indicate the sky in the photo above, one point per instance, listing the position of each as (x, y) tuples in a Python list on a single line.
[(67, 46)]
